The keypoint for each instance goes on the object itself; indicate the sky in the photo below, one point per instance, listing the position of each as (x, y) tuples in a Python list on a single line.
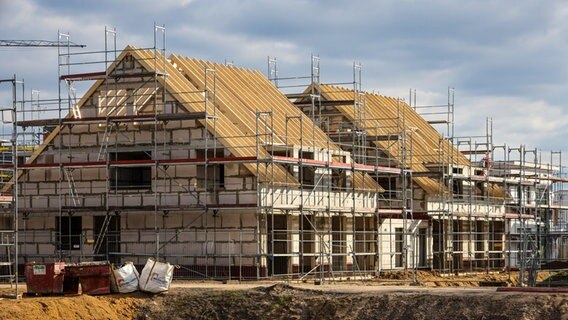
[(504, 59)]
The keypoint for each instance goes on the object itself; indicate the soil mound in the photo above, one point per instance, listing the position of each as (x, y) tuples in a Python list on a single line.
[(285, 302), (111, 307)]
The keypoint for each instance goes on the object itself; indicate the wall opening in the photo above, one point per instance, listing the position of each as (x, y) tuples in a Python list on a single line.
[(131, 176), (68, 232)]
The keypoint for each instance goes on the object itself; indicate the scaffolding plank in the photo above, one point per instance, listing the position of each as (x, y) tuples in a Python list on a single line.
[(115, 118), (335, 164), (471, 152), (297, 95), (181, 116), (84, 76), (38, 123), (518, 216), (324, 103)]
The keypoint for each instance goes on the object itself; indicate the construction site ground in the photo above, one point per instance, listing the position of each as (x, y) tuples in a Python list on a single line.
[(392, 296)]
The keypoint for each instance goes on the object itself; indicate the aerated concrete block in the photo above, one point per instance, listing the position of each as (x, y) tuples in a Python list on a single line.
[(163, 187), (188, 124), (228, 198), (148, 236), (245, 237), (129, 237), (40, 202), (247, 197), (150, 223), (196, 133), (93, 200), (126, 138), (28, 248), (181, 136), (36, 175), (96, 128), (87, 140), (82, 187), (250, 183), (98, 186), (174, 221), (30, 189), (185, 235), (88, 174), (135, 221), (87, 223), (132, 200), (231, 169), (233, 183), (135, 248), (45, 248), (186, 171), (248, 220), (72, 140), (49, 223), (148, 200), (248, 248), (171, 199), (192, 220), (179, 154), (193, 249), (230, 220), (200, 236)]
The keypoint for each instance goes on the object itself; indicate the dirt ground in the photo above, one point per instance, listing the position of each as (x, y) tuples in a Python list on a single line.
[(282, 301), (76, 307), (390, 297)]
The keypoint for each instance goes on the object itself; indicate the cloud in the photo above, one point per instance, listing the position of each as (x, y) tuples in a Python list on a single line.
[(505, 61), (238, 47), (516, 120)]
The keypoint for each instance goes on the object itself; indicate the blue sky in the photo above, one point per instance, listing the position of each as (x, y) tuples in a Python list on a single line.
[(506, 60)]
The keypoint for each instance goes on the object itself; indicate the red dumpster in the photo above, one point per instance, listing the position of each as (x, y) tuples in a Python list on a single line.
[(44, 278), (94, 278)]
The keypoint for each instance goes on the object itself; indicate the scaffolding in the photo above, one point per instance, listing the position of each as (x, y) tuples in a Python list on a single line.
[(212, 168), (370, 142), (93, 145), (11, 153)]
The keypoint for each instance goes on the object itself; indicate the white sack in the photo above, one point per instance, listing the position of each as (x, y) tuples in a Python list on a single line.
[(125, 279), (156, 276)]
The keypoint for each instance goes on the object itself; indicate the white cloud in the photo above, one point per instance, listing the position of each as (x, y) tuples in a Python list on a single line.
[(238, 47), (506, 62), (516, 120), (153, 6)]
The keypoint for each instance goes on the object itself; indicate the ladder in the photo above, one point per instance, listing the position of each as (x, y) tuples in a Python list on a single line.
[(74, 104), (104, 143), (102, 234), (72, 189), (7, 241)]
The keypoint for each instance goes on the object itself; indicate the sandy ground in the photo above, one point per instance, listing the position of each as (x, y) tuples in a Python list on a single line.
[(76, 307), (387, 298)]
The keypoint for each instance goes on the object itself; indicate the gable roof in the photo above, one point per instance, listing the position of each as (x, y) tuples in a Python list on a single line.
[(381, 114), (239, 95)]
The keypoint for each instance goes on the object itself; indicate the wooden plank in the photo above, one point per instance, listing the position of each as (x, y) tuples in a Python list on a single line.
[(381, 114), (240, 119), (224, 129)]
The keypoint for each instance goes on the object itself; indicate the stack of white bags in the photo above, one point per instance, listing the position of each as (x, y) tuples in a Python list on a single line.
[(156, 277)]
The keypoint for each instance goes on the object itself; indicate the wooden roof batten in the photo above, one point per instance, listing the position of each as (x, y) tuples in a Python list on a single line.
[(381, 112), (248, 90), (243, 93)]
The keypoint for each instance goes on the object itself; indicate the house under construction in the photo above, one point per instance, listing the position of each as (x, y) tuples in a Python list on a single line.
[(215, 169)]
